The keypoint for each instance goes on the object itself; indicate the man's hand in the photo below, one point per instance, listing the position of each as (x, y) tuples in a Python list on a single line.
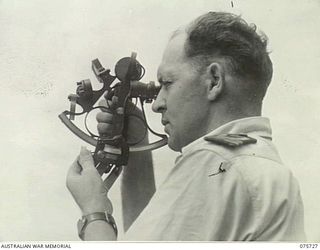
[(136, 130), (137, 182), (86, 185)]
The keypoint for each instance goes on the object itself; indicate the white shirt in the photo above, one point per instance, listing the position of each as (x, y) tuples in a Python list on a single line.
[(254, 198)]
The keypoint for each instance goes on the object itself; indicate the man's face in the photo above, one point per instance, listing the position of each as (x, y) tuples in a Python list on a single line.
[(182, 99)]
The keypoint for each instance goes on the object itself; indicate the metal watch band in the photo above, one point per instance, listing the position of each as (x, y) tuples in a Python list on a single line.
[(85, 220)]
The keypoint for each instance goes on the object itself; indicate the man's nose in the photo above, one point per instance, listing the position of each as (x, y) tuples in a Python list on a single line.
[(159, 104)]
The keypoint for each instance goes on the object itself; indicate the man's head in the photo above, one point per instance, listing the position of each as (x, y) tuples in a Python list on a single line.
[(213, 71)]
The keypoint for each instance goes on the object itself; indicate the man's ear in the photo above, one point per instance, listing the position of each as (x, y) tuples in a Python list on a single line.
[(215, 80)]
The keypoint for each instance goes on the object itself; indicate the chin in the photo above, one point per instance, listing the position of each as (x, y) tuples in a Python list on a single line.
[(173, 145)]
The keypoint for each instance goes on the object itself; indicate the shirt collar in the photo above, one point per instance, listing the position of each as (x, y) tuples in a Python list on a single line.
[(250, 125)]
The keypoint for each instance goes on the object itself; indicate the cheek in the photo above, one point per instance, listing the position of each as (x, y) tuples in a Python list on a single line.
[(184, 94), (186, 101), (195, 102)]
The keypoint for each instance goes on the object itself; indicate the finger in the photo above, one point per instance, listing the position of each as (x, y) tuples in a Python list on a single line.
[(104, 129), (104, 105), (108, 104), (104, 117), (75, 167), (73, 172), (85, 159), (110, 97)]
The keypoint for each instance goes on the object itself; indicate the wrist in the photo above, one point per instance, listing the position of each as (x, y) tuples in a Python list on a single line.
[(97, 206), (97, 221), (89, 211), (95, 209)]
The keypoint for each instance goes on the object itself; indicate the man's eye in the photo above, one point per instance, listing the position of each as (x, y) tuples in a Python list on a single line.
[(166, 83)]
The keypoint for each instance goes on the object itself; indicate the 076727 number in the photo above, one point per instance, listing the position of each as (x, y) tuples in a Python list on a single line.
[(305, 245)]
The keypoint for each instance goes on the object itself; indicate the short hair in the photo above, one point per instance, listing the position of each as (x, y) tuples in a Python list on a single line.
[(227, 35)]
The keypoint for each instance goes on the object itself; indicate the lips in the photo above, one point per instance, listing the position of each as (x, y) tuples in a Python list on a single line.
[(164, 122)]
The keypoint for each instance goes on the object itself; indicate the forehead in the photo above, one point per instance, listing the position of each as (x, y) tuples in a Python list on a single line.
[(173, 56)]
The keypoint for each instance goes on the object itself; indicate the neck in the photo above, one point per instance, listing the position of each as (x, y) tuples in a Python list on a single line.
[(224, 114)]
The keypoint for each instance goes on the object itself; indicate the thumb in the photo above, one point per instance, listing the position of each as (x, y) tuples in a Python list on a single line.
[(85, 159)]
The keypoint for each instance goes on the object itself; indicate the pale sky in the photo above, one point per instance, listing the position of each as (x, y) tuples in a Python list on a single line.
[(47, 46)]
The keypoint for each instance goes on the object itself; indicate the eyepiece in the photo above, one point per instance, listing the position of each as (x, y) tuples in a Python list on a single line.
[(146, 91)]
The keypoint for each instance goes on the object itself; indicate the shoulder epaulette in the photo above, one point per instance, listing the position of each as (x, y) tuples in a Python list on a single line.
[(231, 140)]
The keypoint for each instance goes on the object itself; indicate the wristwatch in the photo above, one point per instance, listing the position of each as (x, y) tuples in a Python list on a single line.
[(85, 220)]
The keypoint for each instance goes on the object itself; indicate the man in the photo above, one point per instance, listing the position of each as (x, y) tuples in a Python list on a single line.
[(229, 182)]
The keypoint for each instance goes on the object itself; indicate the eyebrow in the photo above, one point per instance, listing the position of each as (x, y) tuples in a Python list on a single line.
[(163, 81), (162, 77)]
